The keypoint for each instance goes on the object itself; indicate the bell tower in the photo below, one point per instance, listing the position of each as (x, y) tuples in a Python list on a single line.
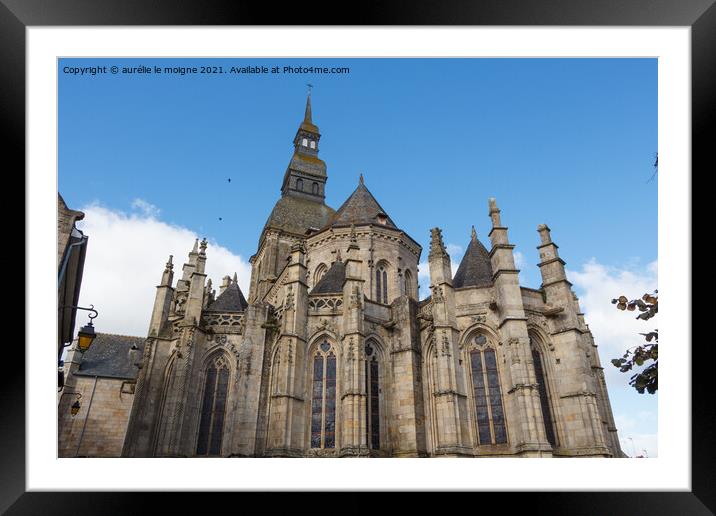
[(306, 173)]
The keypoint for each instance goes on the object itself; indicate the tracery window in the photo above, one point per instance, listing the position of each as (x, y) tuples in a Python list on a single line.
[(299, 184), (487, 394), (313, 144), (315, 188), (409, 286), (372, 406), (304, 142), (542, 387), (320, 272), (381, 284), (213, 408), (323, 398)]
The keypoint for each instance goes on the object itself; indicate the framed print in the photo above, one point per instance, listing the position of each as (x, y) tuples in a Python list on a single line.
[(440, 279)]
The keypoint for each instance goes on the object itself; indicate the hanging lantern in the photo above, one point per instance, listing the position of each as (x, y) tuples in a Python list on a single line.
[(85, 337)]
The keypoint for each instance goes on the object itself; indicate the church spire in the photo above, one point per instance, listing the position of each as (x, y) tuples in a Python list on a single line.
[(307, 117)]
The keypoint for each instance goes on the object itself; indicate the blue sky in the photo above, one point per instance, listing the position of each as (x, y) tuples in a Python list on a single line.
[(567, 142)]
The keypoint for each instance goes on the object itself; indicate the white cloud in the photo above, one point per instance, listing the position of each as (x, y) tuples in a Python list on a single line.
[(519, 259), (596, 284), (125, 259), (146, 208)]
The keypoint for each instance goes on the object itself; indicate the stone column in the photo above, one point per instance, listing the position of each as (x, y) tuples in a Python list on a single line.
[(407, 414), (162, 300), (453, 438), (577, 388), (353, 438), (286, 424), (524, 413)]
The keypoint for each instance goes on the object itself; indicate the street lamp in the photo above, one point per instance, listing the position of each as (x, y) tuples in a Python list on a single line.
[(75, 407), (86, 335)]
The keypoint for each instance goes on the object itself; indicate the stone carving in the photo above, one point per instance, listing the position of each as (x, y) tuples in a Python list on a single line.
[(445, 345)]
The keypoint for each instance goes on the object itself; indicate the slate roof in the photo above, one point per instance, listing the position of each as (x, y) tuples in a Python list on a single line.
[(112, 356), (230, 300), (360, 208), (475, 269), (296, 215), (332, 281)]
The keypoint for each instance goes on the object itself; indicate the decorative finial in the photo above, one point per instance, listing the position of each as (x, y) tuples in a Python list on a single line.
[(436, 242), (544, 233), (338, 256), (361, 180), (208, 285), (235, 279), (354, 237), (474, 233), (203, 245), (494, 213), (195, 249), (170, 265)]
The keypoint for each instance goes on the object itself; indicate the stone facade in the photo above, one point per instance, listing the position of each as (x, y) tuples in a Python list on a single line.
[(102, 382), (333, 355)]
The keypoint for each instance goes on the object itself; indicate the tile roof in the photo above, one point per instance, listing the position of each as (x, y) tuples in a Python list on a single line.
[(112, 356), (475, 269), (332, 281), (296, 215), (230, 300), (361, 208)]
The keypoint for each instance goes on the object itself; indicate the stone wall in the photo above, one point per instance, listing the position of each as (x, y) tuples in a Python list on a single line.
[(98, 428)]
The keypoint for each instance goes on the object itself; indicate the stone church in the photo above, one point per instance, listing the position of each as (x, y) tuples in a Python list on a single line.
[(332, 354)]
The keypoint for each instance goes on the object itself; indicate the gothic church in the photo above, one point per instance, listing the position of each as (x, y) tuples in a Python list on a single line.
[(331, 354)]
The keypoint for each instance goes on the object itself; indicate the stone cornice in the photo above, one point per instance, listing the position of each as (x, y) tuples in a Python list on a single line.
[(509, 318), (504, 271), (499, 228), (370, 230), (496, 247), (556, 282), (551, 260)]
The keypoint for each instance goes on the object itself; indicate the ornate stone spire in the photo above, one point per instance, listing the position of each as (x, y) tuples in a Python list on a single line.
[(473, 237), (168, 274), (307, 116), (436, 242)]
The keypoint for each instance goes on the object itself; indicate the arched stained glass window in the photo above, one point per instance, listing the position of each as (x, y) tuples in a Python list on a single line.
[(323, 398), (409, 284), (319, 273), (372, 406), (543, 394), (487, 394), (381, 284), (213, 408)]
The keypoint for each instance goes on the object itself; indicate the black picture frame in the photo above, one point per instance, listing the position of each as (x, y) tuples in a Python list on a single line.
[(16, 15)]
